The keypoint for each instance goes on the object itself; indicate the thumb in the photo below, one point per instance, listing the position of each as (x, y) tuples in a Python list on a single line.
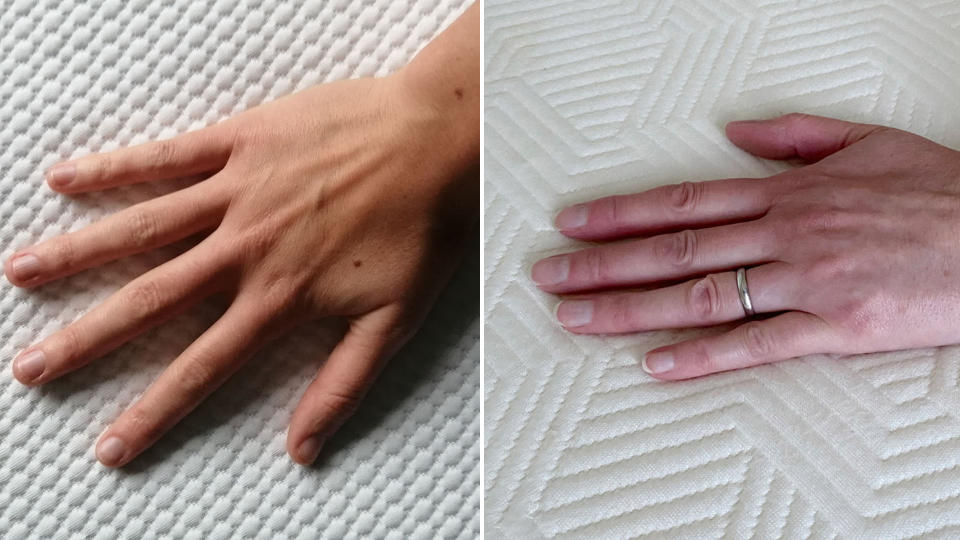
[(342, 382), (796, 135)]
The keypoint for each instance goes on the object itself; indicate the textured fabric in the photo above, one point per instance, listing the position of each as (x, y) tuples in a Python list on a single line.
[(586, 99), (81, 77)]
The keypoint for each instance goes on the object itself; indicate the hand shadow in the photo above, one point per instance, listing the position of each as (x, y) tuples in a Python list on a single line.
[(449, 337)]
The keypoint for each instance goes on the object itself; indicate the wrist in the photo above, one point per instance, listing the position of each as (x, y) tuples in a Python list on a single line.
[(444, 80), (442, 110)]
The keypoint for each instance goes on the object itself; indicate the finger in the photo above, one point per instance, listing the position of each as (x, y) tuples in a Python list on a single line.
[(648, 260), (795, 333), (341, 383), (811, 138), (678, 206), (188, 154), (712, 299), (140, 228), (199, 370), (140, 305)]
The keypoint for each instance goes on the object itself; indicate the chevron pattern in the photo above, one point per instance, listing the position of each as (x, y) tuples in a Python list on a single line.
[(585, 99)]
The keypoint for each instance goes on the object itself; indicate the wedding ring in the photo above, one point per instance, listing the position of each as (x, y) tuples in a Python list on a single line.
[(744, 292)]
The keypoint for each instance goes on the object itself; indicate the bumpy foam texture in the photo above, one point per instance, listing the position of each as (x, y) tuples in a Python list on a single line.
[(586, 99), (77, 77)]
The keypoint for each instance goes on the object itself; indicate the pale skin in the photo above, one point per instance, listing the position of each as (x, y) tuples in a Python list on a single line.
[(858, 251), (353, 199)]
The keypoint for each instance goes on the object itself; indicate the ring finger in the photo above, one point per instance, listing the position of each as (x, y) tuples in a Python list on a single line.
[(667, 256), (709, 300), (192, 376)]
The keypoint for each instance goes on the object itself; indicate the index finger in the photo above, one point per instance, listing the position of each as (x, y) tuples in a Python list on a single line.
[(191, 153)]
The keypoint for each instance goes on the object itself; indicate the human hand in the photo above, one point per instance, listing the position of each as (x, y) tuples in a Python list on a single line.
[(349, 199), (859, 250)]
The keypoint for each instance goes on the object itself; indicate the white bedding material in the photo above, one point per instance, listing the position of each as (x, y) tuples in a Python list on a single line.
[(585, 99), (80, 77)]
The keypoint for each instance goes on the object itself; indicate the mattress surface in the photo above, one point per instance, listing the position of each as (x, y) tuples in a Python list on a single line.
[(77, 77), (586, 99)]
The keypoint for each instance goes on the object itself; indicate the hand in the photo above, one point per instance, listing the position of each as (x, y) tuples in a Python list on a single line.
[(349, 199), (857, 252)]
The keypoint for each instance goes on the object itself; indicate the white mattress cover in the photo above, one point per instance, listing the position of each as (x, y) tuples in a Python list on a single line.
[(77, 77), (585, 99)]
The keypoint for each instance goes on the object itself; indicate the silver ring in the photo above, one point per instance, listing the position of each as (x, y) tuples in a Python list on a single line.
[(744, 292)]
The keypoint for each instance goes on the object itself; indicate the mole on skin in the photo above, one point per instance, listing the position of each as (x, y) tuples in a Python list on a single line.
[(357, 263), (458, 92)]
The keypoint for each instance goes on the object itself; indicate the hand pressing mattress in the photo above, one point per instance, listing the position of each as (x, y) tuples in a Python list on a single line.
[(591, 99), (78, 77)]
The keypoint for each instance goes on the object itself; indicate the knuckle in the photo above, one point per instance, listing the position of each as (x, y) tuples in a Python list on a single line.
[(860, 314), (614, 210), (65, 251), (795, 117), (699, 358), (757, 341), (607, 211), (830, 268), (162, 154), (245, 135), (142, 228), (281, 298), (822, 219), (145, 297), (103, 166), (405, 330), (280, 294), (679, 249), (704, 298), (594, 262), (684, 198), (780, 189), (242, 134), (196, 379), (817, 220), (257, 239), (623, 316), (339, 402), (873, 130), (142, 424), (781, 231), (71, 345)]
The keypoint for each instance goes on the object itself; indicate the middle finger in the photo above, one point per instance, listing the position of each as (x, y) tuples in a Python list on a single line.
[(664, 257), (140, 305)]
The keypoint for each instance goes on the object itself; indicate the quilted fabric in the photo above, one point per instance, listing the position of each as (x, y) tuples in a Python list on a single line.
[(77, 77), (585, 99)]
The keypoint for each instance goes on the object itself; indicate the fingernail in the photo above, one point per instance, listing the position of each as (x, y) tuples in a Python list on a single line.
[(308, 449), (574, 313), (61, 175), (29, 366), (551, 271), (25, 267), (657, 362), (572, 217), (110, 452)]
